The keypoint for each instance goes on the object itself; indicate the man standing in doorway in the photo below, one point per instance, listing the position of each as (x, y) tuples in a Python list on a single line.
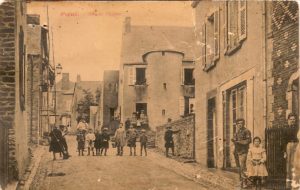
[(290, 144), (241, 140)]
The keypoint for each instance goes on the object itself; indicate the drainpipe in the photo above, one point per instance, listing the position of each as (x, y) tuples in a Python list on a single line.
[(265, 61)]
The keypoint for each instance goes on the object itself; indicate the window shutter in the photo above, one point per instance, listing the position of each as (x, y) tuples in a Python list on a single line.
[(131, 75), (203, 41), (134, 76), (182, 75), (225, 26), (242, 19), (216, 34), (181, 106), (147, 76)]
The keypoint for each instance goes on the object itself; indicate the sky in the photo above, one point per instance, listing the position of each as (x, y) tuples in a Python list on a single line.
[(87, 36)]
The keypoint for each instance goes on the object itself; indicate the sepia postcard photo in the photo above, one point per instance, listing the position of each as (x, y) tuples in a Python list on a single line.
[(149, 95)]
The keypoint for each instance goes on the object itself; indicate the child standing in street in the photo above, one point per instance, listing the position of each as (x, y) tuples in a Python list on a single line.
[(256, 162), (90, 138), (81, 142), (105, 141), (143, 141), (98, 142)]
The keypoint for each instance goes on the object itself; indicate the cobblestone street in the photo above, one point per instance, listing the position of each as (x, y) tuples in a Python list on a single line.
[(110, 172)]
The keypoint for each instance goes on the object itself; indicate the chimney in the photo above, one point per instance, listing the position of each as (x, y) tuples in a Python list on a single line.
[(127, 24), (65, 81), (33, 19), (78, 79)]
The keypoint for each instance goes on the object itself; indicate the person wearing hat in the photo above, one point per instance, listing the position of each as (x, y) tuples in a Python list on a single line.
[(105, 141), (56, 141), (143, 142), (169, 142)]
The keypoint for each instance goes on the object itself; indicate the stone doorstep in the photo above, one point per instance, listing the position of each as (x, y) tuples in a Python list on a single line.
[(30, 172), (212, 179)]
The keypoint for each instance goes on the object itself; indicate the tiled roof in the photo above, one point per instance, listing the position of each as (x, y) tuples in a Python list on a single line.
[(142, 39)]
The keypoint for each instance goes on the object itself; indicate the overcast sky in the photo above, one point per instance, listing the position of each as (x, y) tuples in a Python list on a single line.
[(87, 35)]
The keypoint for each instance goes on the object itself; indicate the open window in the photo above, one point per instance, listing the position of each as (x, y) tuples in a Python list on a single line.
[(140, 76), (188, 76)]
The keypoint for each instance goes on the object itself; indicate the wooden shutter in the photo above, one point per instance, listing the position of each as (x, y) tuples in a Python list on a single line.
[(131, 75), (181, 106), (147, 76), (182, 75), (203, 44), (242, 19), (216, 35), (225, 26)]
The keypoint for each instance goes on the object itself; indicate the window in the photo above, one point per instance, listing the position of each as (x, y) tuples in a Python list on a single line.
[(140, 76), (211, 41), (163, 112), (22, 53), (136, 76), (235, 28), (188, 76), (165, 86)]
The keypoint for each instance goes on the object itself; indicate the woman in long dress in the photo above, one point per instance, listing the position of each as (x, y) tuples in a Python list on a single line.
[(56, 141)]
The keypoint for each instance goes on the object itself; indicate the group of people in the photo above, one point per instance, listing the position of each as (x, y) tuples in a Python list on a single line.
[(130, 136), (252, 159), (99, 141)]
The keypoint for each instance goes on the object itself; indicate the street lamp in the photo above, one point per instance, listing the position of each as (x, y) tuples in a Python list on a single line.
[(58, 69)]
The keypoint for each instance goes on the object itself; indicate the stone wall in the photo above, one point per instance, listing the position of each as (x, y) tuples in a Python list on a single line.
[(12, 110), (7, 86), (184, 140)]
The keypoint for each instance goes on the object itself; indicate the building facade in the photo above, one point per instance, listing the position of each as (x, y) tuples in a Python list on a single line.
[(40, 79), (156, 74), (64, 95), (108, 104), (282, 75), (230, 80), (13, 98)]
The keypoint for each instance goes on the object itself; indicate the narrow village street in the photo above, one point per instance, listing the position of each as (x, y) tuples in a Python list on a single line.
[(210, 88), (111, 172)]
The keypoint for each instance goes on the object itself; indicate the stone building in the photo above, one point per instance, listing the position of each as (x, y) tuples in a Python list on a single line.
[(108, 104), (13, 95), (80, 87), (40, 79), (282, 76), (229, 74), (156, 74), (64, 95)]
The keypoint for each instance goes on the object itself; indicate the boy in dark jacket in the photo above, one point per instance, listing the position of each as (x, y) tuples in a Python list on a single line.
[(105, 141), (143, 141)]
